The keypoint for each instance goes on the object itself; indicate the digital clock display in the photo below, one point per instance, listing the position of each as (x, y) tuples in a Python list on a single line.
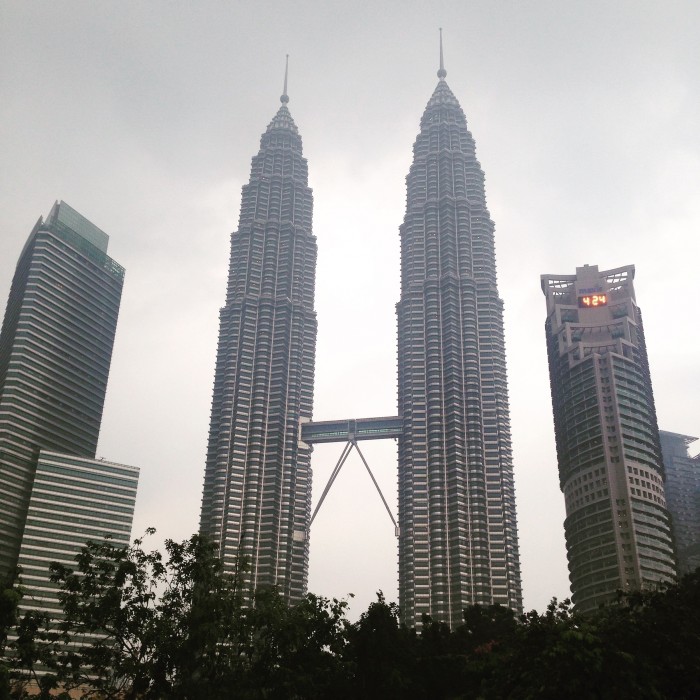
[(590, 301)]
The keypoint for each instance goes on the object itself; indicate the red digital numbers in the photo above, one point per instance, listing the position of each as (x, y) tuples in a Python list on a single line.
[(589, 301)]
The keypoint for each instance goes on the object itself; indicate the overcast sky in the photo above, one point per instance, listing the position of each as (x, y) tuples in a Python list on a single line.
[(144, 117)]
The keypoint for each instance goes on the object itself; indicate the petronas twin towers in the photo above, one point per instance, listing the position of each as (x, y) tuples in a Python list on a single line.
[(457, 525)]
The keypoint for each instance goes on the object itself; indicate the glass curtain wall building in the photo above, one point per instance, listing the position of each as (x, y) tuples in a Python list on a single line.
[(257, 484), (73, 500), (458, 541), (618, 531), (683, 497), (55, 351)]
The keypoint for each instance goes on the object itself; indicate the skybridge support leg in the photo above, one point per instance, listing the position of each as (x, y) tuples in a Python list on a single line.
[(376, 485), (334, 474), (339, 465)]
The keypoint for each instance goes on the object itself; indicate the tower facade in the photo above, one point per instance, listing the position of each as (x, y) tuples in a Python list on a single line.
[(257, 484), (618, 532), (683, 497), (73, 500), (55, 351), (458, 537)]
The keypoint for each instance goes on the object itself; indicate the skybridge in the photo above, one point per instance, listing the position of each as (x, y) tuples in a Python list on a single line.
[(351, 431)]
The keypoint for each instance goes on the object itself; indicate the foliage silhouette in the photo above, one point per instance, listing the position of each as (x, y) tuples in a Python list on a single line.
[(137, 624)]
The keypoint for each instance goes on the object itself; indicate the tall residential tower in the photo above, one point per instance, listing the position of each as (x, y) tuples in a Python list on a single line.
[(618, 532), (458, 540), (55, 351), (257, 484)]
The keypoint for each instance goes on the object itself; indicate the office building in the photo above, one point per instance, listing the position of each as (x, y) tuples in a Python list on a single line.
[(73, 500), (458, 541), (257, 484), (683, 497), (55, 350), (618, 532)]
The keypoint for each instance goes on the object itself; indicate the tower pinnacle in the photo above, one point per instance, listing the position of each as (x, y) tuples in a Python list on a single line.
[(442, 72), (285, 98)]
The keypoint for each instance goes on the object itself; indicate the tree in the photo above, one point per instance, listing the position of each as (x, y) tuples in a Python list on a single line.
[(295, 651), (140, 625), (137, 624), (143, 627), (646, 646), (556, 654), (660, 632), (382, 654)]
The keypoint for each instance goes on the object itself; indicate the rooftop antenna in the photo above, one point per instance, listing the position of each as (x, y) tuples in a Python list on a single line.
[(285, 98), (442, 72)]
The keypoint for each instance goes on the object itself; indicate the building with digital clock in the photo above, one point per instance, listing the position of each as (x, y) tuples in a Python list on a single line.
[(618, 530)]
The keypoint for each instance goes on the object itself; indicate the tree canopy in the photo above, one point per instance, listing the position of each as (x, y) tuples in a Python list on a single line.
[(140, 624)]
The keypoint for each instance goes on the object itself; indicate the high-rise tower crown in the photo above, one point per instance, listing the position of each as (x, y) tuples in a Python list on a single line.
[(283, 118), (442, 97)]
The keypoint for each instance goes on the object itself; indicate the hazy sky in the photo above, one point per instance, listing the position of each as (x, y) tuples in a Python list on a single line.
[(144, 117)]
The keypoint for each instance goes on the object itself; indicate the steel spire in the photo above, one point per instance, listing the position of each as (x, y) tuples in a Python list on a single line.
[(442, 72), (285, 98)]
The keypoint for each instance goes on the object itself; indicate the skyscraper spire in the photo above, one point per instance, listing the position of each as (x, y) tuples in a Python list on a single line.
[(442, 73), (285, 97)]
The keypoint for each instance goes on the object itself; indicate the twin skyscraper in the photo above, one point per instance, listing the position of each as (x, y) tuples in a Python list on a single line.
[(457, 535)]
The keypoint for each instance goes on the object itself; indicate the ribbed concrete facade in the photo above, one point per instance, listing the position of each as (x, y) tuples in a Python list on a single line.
[(683, 497), (458, 540), (257, 485), (618, 532), (55, 351)]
